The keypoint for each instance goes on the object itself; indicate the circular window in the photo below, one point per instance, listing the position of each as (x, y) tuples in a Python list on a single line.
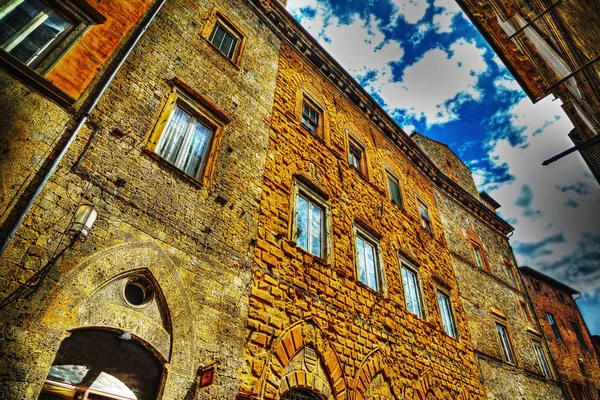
[(138, 292)]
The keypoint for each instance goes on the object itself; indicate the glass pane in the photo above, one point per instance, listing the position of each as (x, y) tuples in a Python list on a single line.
[(193, 149), (19, 17), (302, 223), (362, 269), (316, 230), (40, 38), (172, 137), (394, 190), (217, 36), (231, 47), (226, 43)]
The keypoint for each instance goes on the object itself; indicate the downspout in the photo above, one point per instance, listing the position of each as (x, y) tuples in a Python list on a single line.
[(84, 118)]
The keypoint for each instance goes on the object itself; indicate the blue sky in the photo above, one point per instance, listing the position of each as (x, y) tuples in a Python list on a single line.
[(431, 70)]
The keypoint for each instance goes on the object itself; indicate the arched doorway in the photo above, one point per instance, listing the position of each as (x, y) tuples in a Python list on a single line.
[(300, 394), (96, 364)]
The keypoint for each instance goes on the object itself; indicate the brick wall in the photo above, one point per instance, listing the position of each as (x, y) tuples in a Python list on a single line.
[(566, 351), (366, 340)]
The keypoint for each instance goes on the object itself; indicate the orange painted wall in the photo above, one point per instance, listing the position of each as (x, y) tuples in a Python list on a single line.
[(74, 72)]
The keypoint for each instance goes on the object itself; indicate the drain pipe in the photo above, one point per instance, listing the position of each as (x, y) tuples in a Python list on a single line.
[(80, 124)]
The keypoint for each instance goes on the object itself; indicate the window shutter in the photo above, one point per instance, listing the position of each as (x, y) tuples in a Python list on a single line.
[(213, 150)]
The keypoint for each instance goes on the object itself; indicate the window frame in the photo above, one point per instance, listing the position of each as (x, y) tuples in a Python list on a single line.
[(77, 10), (304, 190), (202, 109), (579, 335), (453, 324), (542, 353), (358, 145), (404, 264), (554, 325), (506, 350), (218, 18), (365, 236), (310, 105), (429, 225), (537, 285), (389, 175)]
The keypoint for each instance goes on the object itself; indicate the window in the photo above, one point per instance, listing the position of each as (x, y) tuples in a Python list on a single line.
[(526, 312), (541, 355), (367, 261), (188, 132), (29, 27), (537, 285), (505, 342), (356, 155), (579, 391), (224, 40), (554, 326), (34, 32), (424, 213), (394, 188), (579, 336), (561, 296), (478, 255), (185, 141), (511, 274), (412, 291), (446, 314), (310, 222), (310, 116)]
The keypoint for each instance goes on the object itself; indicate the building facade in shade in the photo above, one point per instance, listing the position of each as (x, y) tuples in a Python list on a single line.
[(511, 352), (573, 348), (550, 47), (172, 161)]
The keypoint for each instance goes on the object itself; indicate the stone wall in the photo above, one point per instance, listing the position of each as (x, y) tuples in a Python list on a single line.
[(191, 240), (492, 294), (365, 340), (567, 350)]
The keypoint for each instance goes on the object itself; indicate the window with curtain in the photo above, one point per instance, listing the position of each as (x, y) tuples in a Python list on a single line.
[(412, 292), (28, 28), (424, 214), (446, 314), (310, 116), (367, 262), (184, 142)]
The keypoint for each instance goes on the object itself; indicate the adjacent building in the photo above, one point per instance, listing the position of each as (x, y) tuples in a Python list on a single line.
[(511, 352), (171, 160), (571, 345), (551, 48)]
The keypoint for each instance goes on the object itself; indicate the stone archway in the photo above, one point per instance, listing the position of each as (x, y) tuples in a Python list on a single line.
[(302, 358), (372, 381), (60, 312)]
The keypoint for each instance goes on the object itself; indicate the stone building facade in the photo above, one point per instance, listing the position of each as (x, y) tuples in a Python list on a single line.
[(157, 291), (509, 347), (573, 348), (550, 47)]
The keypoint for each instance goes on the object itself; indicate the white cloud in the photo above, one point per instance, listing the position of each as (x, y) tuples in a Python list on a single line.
[(506, 84), (411, 10), (443, 20), (544, 136), (435, 85)]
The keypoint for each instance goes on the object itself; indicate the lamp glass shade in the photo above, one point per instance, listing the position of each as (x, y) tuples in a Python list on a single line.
[(85, 216)]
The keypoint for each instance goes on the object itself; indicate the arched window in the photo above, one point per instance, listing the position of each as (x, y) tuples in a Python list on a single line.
[(300, 394)]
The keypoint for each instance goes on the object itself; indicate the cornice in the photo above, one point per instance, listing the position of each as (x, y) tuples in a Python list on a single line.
[(289, 30)]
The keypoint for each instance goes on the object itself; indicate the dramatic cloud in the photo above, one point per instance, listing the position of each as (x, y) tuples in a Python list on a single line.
[(443, 20), (436, 85), (411, 10)]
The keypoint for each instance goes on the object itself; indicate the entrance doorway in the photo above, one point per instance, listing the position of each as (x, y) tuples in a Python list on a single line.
[(99, 365)]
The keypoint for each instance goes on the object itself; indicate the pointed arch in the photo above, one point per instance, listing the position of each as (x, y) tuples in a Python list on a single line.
[(371, 367), (104, 267), (298, 336)]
